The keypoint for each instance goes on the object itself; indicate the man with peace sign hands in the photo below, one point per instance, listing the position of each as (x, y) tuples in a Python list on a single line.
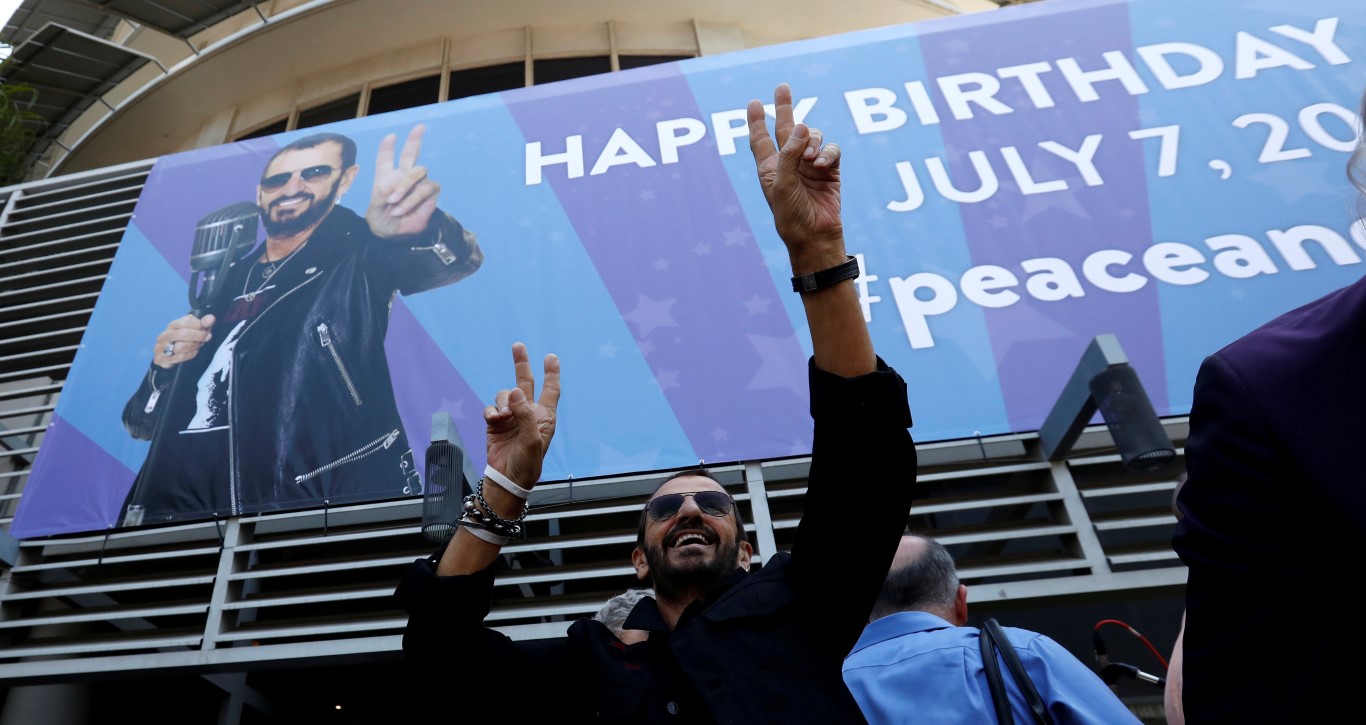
[(280, 396), (724, 644)]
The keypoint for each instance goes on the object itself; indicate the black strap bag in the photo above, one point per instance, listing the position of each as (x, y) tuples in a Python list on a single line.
[(994, 640)]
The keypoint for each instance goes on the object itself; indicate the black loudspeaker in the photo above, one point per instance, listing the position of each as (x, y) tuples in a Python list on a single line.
[(1129, 414), (447, 482)]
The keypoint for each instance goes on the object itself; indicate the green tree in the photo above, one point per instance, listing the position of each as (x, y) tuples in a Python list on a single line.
[(19, 129)]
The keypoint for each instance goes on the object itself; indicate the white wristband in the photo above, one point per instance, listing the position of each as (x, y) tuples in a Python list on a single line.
[(487, 535), (506, 483)]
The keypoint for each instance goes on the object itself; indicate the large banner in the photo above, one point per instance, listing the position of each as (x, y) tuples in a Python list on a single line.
[(1015, 183)]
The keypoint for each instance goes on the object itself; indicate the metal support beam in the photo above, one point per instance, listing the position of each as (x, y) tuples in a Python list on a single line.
[(9, 549), (1075, 407), (758, 506)]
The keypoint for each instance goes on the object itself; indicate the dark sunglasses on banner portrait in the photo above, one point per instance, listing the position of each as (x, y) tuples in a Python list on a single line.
[(712, 503), (312, 173)]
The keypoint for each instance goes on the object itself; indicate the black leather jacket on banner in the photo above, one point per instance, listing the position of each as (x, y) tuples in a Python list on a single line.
[(310, 411)]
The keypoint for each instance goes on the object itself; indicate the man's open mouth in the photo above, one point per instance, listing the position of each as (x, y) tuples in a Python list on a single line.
[(691, 538)]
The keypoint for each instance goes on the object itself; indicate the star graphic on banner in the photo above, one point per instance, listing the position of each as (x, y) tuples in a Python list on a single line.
[(611, 460), (757, 305), (737, 237), (455, 407), (524, 221), (666, 102), (1128, 213), (654, 115), (645, 347), (817, 70), (701, 249), (666, 379), (799, 448), (557, 236), (646, 195), (1293, 179), (1065, 200), (958, 45), (720, 435), (650, 315), (731, 209), (778, 369), (661, 264), (1028, 325), (607, 350), (998, 222)]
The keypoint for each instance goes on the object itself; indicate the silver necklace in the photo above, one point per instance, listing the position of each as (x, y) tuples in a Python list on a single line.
[(267, 272)]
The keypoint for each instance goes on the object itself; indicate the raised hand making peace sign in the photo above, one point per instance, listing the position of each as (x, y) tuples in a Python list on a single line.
[(404, 198)]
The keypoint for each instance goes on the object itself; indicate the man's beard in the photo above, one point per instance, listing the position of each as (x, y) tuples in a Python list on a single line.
[(670, 579), (298, 223)]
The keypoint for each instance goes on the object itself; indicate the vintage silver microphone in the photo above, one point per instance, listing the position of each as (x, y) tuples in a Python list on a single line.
[(220, 238)]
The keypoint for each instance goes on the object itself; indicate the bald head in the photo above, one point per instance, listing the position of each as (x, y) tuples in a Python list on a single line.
[(922, 578)]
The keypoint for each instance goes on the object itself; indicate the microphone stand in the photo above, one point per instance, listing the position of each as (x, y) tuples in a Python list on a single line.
[(242, 217)]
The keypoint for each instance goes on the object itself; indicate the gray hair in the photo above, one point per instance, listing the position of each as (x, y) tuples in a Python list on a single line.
[(1356, 165), (614, 612), (928, 584)]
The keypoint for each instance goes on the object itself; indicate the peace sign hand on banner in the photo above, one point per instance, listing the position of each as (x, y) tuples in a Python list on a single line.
[(404, 198)]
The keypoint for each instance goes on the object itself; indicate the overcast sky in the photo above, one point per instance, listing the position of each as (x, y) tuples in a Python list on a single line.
[(7, 8)]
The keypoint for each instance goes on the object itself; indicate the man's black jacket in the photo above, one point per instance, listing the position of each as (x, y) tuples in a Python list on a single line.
[(765, 647)]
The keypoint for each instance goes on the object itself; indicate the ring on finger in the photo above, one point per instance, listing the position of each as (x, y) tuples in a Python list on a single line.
[(169, 350)]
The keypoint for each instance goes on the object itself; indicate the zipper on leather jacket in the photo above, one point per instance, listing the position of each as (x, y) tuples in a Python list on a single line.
[(156, 392), (325, 336), (378, 444)]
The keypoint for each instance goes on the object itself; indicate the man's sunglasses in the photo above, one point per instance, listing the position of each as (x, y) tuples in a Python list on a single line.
[(712, 503), (312, 173)]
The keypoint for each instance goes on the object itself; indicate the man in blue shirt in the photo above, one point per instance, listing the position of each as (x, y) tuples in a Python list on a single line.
[(916, 662)]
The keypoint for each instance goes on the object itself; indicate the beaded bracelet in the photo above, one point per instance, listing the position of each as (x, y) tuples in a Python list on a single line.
[(487, 518)]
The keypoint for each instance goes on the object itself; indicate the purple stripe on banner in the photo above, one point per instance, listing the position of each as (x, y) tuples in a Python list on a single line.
[(83, 486), (177, 195), (1069, 224), (425, 382), (677, 255)]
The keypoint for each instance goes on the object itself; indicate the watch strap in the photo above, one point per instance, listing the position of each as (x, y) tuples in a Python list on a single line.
[(824, 278)]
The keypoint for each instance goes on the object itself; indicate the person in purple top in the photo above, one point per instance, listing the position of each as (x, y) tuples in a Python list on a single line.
[(1272, 512)]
